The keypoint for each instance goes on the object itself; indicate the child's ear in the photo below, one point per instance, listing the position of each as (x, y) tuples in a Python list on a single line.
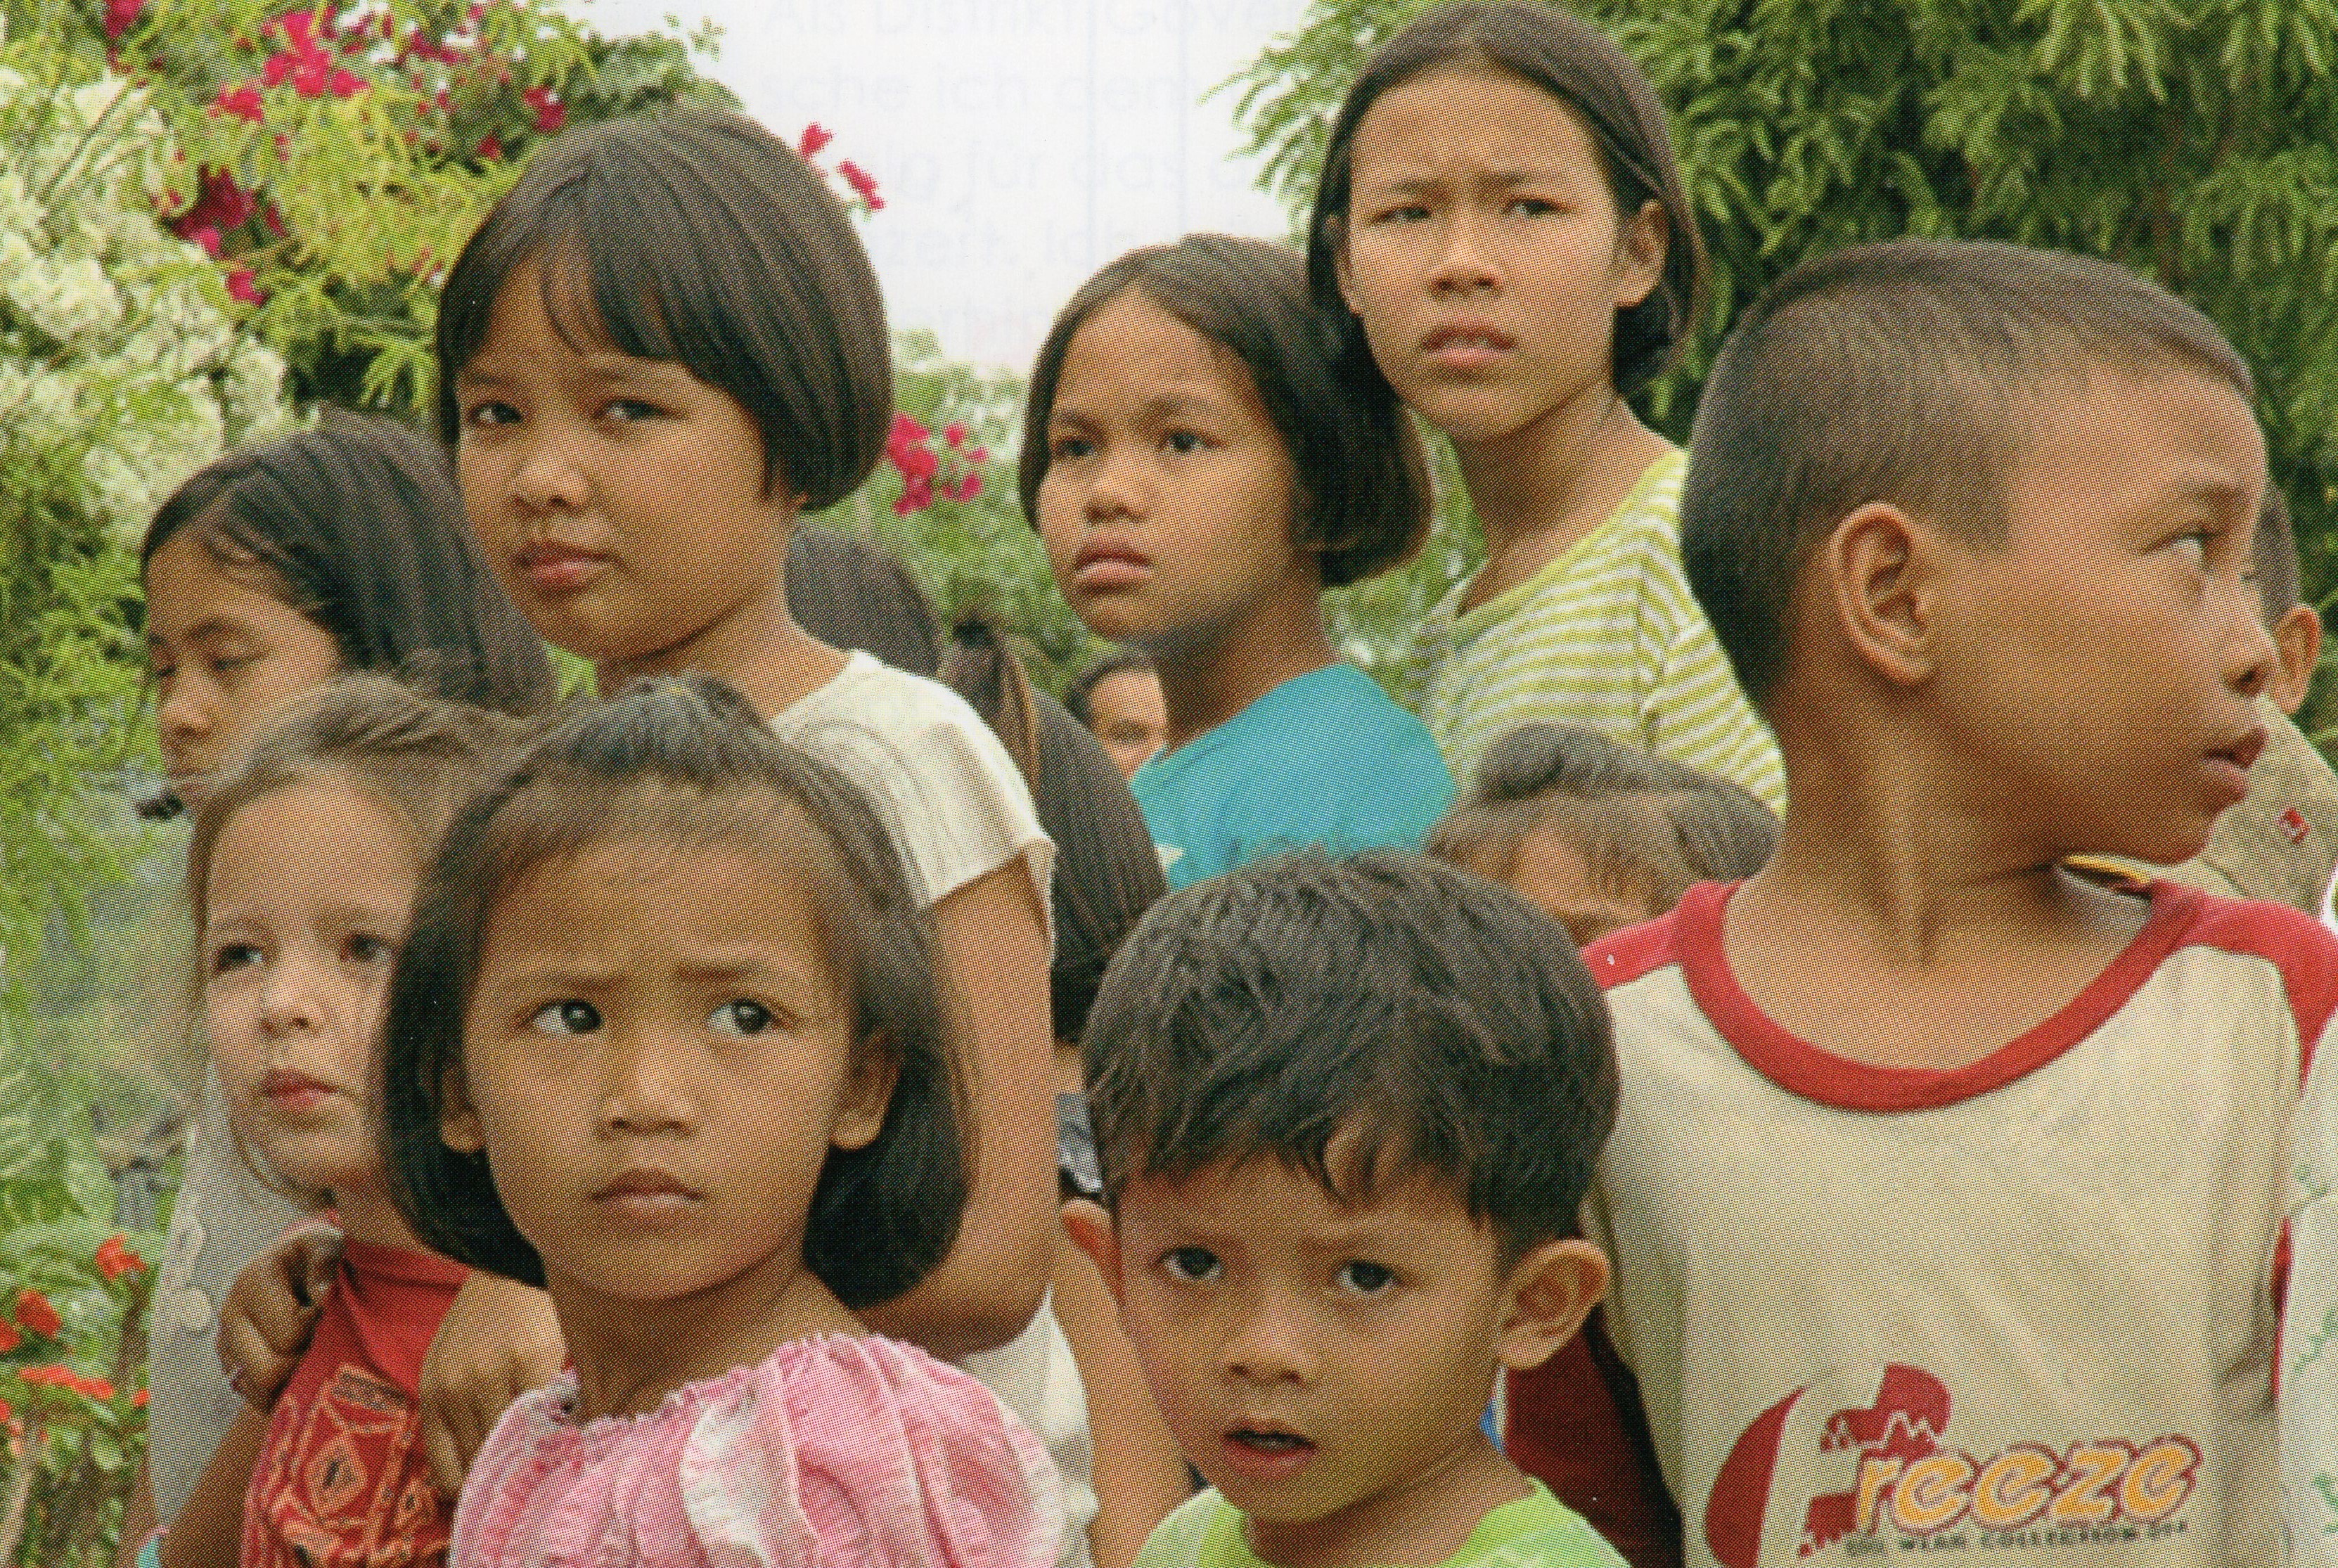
[(1089, 1225), (458, 1124), (1641, 244), (1877, 565), (1550, 1292), (2297, 637), (861, 1105)]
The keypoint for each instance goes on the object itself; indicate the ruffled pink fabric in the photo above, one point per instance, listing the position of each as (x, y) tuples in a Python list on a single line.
[(838, 1449)]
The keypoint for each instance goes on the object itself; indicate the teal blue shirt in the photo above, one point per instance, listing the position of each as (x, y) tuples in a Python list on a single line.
[(1326, 758)]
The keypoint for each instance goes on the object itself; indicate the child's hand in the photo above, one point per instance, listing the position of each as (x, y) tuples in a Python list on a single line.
[(498, 1341), (271, 1310)]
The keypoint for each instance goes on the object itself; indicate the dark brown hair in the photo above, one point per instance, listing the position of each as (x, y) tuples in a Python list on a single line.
[(356, 524), (1363, 500), (688, 761), (1425, 1020), (1897, 372), (699, 239), (1594, 81), (1646, 826)]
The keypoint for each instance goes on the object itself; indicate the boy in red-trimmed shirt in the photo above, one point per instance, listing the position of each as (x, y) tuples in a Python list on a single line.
[(1946, 1199)]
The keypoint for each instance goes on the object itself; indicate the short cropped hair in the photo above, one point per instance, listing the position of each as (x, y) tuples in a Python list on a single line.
[(1896, 372), (689, 763), (2275, 548), (1362, 499), (1594, 81), (1645, 825), (1432, 1022), (697, 238)]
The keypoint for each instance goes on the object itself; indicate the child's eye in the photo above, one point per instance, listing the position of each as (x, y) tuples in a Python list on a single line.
[(364, 948), (1407, 212), (1065, 448), (629, 410), (1365, 1278), (229, 957), (740, 1016), (1184, 441), (488, 412), (1191, 1265), (1532, 206), (566, 1018)]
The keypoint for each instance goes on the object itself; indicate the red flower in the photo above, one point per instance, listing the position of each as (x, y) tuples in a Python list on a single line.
[(815, 137), (954, 433), (66, 1378), (121, 16), (243, 103), (208, 237), (241, 285), (34, 1313), (220, 205), (114, 1259), (9, 1338), (968, 487), (491, 147), (862, 180), (551, 114)]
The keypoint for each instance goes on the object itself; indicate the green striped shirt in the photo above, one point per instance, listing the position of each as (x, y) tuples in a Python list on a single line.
[(1606, 637)]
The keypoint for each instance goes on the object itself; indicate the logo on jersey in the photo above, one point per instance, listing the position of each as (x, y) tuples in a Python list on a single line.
[(1860, 1463)]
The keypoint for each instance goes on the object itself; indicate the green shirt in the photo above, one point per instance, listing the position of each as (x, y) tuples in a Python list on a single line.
[(1537, 1530)]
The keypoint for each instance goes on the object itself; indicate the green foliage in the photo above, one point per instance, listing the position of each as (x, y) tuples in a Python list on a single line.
[(2188, 140)]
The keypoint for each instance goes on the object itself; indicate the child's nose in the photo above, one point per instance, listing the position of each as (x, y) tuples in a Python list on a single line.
[(2251, 655), (1462, 262), (641, 1091), (547, 479), (291, 997), (1118, 487), (1269, 1343)]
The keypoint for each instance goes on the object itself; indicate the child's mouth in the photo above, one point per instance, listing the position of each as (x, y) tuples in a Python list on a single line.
[(1259, 1440)]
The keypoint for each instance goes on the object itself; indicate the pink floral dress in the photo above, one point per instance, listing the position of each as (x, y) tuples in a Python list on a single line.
[(837, 1449)]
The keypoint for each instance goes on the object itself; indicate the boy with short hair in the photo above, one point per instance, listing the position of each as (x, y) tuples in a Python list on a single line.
[(1347, 1109), (1947, 1198)]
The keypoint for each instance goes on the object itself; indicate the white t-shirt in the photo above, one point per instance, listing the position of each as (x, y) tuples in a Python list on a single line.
[(945, 787), (2021, 1312)]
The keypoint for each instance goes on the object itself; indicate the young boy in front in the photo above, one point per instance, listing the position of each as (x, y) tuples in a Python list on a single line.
[(1347, 1109), (1946, 1198)]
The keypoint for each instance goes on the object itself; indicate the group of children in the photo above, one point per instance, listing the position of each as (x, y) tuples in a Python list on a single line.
[(681, 1071)]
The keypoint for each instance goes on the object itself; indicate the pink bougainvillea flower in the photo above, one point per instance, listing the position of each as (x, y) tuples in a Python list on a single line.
[(207, 237), (35, 1315), (241, 285), (862, 180), (815, 137), (491, 147), (114, 1259), (220, 205), (121, 16), (551, 114), (970, 486), (954, 433), (242, 102), (9, 1338)]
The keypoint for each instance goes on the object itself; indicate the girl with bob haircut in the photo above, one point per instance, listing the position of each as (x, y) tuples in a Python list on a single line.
[(659, 350), (331, 551), (1202, 462), (667, 1041), (1500, 223)]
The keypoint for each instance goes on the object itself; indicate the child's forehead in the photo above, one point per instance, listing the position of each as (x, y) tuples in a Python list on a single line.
[(1264, 1186)]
